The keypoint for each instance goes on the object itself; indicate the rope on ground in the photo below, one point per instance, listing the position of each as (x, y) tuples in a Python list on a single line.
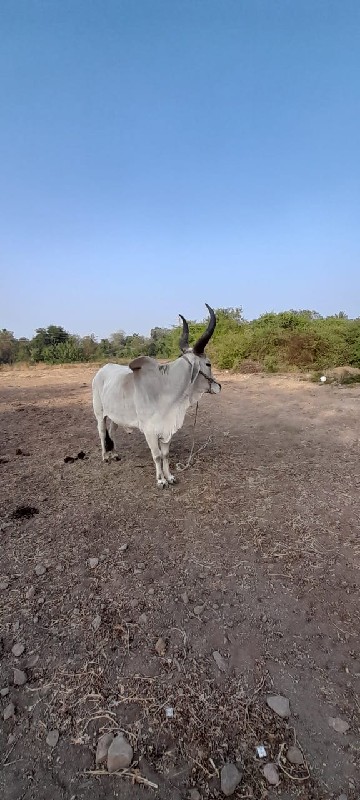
[(181, 467)]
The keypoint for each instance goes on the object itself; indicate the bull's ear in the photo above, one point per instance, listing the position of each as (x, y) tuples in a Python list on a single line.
[(141, 361), (194, 371)]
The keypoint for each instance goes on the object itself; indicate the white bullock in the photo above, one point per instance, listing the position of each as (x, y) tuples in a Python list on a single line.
[(153, 397)]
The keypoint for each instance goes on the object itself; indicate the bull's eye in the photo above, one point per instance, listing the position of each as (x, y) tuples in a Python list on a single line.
[(208, 364)]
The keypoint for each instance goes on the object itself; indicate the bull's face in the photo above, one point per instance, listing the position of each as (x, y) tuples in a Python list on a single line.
[(205, 380)]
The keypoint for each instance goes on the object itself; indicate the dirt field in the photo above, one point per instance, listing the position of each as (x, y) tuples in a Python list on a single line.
[(253, 554)]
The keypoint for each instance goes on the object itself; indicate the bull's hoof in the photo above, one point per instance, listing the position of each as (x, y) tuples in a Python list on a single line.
[(162, 483), (171, 479)]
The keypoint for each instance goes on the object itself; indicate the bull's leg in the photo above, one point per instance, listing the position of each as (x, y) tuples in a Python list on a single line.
[(165, 446), (153, 442), (100, 419), (101, 424), (112, 429)]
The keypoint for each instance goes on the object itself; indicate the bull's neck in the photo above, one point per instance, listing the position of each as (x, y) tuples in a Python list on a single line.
[(178, 379)]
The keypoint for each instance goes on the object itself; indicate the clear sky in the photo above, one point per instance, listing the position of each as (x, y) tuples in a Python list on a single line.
[(157, 154)]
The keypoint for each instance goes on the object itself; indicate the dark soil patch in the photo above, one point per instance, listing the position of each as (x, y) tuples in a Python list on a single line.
[(24, 512)]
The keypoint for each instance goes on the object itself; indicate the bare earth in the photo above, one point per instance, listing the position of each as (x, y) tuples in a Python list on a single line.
[(254, 554)]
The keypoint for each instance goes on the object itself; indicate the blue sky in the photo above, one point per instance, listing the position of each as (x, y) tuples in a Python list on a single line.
[(157, 154)]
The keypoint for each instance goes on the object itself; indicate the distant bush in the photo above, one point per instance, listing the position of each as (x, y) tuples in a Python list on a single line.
[(300, 340)]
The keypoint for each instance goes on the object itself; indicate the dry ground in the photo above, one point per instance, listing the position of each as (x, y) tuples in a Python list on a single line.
[(255, 554)]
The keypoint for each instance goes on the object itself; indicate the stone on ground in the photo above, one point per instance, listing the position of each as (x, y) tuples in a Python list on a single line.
[(230, 779), (279, 704), (120, 754), (103, 747)]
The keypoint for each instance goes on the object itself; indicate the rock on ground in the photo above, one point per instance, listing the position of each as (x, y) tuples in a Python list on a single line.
[(103, 747), (18, 649), (52, 738), (339, 725), (160, 647), (9, 711), (120, 754), (279, 704), (40, 569), (20, 677), (271, 774), (230, 778), (96, 623), (294, 755), (219, 661), (93, 562), (32, 660)]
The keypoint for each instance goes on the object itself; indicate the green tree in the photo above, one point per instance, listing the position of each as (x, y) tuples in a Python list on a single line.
[(8, 347)]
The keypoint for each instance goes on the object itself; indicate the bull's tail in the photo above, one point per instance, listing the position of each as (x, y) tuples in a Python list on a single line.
[(109, 444)]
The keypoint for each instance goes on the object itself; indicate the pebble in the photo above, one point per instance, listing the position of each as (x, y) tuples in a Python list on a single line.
[(4, 583), (32, 660), (294, 755), (9, 711), (20, 677), (18, 649), (93, 562), (40, 569), (143, 619), (279, 704), (141, 565), (230, 778), (185, 599), (160, 647), (194, 795), (198, 610), (343, 797), (4, 691), (52, 738), (151, 590), (339, 725), (96, 623), (30, 593), (219, 661), (123, 548), (102, 747), (271, 774), (120, 754)]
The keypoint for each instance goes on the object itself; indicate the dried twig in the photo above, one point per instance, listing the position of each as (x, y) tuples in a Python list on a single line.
[(135, 776)]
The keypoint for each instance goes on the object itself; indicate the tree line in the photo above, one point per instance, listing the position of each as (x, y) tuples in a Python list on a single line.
[(273, 342)]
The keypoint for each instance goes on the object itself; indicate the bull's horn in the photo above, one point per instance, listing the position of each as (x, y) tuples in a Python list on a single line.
[(184, 338), (201, 343)]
